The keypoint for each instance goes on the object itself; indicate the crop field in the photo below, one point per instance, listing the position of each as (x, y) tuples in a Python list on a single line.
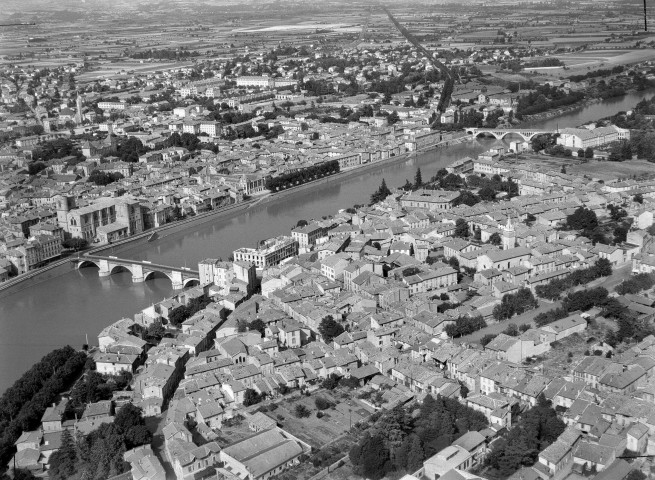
[(613, 170), (319, 431)]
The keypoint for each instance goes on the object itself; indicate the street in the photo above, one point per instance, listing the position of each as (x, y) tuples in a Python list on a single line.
[(618, 275)]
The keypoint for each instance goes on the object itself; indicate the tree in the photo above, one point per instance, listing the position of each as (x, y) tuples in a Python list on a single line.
[(74, 243), (301, 411), (535, 430), (453, 262), (620, 234), (461, 228), (156, 331), (582, 219), (636, 475), (495, 239), (36, 167), (418, 179), (409, 271), (541, 142), (329, 329), (321, 403), (381, 193), (301, 223), (62, 462), (466, 197), (258, 325), (512, 330), (589, 152), (487, 194), (251, 397), (371, 457), (102, 179), (331, 382), (484, 341), (639, 198)]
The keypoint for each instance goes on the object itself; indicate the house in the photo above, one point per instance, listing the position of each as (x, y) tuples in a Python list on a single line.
[(503, 259), (144, 464), (593, 456), (563, 328), (196, 461)]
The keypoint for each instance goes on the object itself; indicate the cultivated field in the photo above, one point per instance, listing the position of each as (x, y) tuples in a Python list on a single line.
[(613, 170), (319, 431)]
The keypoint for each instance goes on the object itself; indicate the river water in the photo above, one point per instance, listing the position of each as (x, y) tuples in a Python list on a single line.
[(71, 304)]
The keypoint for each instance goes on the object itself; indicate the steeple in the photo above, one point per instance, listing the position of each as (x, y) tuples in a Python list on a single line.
[(509, 236)]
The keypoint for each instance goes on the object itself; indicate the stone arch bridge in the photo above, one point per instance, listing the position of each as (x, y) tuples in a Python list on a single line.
[(141, 271), (526, 133)]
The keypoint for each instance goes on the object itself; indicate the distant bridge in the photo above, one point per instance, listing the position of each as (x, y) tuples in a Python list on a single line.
[(141, 270), (526, 133)]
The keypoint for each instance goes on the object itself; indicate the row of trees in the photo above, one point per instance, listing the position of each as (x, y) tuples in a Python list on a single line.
[(636, 284), (102, 178), (465, 326), (515, 304), (582, 300), (304, 175), (545, 98), (513, 330), (23, 404), (553, 289), (399, 440)]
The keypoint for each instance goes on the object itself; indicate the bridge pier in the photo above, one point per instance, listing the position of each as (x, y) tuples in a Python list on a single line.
[(105, 268), (137, 273), (177, 280)]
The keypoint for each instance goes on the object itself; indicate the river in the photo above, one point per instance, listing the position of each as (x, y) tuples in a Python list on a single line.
[(69, 304)]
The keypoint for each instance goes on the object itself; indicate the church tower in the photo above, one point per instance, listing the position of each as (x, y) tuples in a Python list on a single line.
[(78, 114), (509, 235), (64, 204)]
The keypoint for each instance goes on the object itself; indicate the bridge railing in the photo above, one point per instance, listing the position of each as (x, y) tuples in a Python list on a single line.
[(125, 261)]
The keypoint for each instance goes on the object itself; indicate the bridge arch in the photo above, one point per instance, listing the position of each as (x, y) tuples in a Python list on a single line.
[(87, 263), (120, 268), (191, 282), (154, 273)]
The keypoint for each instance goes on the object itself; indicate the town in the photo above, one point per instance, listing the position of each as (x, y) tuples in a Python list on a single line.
[(493, 320)]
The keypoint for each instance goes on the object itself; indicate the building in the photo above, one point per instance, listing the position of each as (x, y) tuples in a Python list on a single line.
[(452, 457), (228, 274), (583, 138), (270, 252), (430, 199), (122, 214), (263, 455), (307, 235), (111, 105)]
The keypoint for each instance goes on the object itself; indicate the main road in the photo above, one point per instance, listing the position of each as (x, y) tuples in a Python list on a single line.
[(67, 304)]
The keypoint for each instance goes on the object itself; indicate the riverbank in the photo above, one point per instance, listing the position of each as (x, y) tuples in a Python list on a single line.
[(364, 168), (61, 267), (528, 119)]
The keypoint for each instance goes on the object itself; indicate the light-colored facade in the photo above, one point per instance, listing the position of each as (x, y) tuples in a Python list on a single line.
[(270, 252)]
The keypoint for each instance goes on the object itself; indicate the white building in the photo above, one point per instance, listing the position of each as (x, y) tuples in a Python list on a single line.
[(582, 138)]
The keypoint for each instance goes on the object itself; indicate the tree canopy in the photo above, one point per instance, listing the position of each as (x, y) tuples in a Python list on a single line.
[(329, 329)]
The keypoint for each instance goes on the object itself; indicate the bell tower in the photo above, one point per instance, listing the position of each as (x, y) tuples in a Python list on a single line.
[(64, 205), (509, 235)]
